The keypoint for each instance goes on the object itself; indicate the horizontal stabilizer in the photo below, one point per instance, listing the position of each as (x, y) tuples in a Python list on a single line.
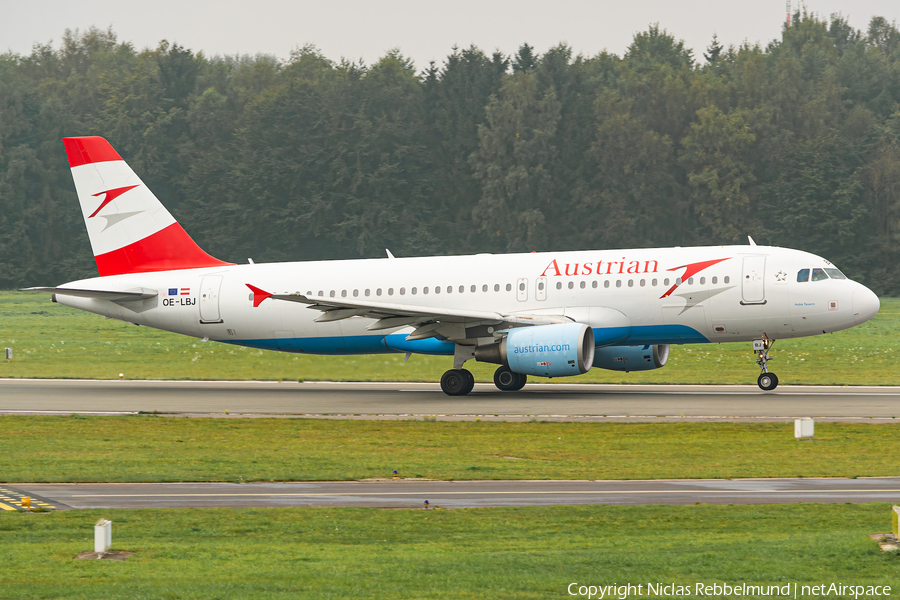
[(134, 294)]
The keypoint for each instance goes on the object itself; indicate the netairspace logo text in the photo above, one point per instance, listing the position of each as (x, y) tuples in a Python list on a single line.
[(788, 590)]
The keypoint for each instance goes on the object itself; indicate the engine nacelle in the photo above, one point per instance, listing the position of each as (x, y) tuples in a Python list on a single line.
[(546, 350), (631, 358)]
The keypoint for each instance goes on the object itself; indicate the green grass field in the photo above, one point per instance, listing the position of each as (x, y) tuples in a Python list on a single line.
[(50, 340), (466, 553), (149, 448)]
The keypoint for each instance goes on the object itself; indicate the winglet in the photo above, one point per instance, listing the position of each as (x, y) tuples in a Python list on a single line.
[(258, 294)]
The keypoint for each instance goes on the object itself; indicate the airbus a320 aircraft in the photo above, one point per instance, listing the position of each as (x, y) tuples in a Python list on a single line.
[(548, 314)]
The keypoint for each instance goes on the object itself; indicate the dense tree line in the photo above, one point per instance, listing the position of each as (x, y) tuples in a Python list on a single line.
[(796, 143)]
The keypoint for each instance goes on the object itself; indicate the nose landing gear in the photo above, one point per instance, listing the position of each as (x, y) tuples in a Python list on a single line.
[(766, 381)]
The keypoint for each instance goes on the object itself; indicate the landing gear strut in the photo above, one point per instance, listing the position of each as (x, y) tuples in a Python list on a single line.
[(507, 381), (457, 382), (767, 381)]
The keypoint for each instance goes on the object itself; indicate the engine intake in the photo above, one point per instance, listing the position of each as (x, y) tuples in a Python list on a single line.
[(546, 350), (631, 358)]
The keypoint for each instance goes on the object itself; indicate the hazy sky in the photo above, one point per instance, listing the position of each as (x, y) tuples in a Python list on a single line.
[(423, 30)]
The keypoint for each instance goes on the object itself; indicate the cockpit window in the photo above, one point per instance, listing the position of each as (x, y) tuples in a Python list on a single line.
[(835, 274), (803, 275), (819, 274)]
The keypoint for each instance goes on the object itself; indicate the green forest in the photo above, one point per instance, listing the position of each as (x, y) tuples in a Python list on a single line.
[(796, 143)]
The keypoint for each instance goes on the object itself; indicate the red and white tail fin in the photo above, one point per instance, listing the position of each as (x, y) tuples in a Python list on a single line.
[(129, 228)]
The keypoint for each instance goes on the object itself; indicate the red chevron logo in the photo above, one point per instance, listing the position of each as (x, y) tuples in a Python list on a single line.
[(689, 271), (110, 196)]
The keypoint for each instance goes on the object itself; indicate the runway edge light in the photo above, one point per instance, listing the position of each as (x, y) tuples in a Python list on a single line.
[(804, 428)]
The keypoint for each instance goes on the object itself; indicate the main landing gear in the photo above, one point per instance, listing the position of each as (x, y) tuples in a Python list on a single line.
[(767, 381), (507, 381), (457, 382)]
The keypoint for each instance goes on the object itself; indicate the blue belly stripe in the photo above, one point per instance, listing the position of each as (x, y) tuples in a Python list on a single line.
[(396, 342)]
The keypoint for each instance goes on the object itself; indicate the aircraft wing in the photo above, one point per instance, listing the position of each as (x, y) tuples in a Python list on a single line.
[(135, 294), (428, 321)]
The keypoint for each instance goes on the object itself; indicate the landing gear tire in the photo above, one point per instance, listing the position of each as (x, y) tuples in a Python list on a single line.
[(457, 382), (767, 382), (507, 381)]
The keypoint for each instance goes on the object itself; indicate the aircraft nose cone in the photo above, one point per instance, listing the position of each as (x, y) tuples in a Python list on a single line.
[(865, 304)]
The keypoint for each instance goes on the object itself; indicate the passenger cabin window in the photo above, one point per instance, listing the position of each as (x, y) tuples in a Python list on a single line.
[(715, 280), (653, 283), (702, 280), (413, 291), (496, 287), (484, 288), (378, 292), (402, 291), (437, 289), (521, 287), (425, 290), (462, 288), (727, 279), (803, 275), (559, 285), (606, 283), (508, 287), (594, 284), (835, 274), (819, 274), (571, 285)]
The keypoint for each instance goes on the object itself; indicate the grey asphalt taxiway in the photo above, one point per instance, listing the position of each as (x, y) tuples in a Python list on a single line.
[(459, 494), (411, 400)]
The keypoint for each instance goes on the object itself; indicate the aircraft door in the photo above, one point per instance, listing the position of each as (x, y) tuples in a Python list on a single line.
[(540, 289), (522, 290), (209, 299), (753, 280)]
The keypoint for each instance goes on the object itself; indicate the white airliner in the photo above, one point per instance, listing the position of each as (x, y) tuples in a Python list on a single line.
[(549, 314)]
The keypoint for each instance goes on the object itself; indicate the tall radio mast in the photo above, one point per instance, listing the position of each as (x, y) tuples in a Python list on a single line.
[(788, 20)]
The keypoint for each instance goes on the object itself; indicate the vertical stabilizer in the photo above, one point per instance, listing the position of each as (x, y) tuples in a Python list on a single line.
[(129, 228)]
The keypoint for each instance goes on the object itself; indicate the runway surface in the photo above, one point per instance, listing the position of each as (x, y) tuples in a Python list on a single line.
[(410, 400), (461, 494)]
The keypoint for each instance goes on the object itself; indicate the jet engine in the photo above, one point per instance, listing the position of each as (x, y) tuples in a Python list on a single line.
[(631, 358), (546, 350)]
